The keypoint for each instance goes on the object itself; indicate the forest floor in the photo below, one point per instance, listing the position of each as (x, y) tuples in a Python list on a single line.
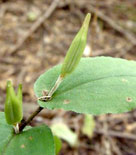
[(35, 35)]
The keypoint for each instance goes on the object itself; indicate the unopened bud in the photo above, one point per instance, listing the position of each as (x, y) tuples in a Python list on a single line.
[(76, 49), (13, 104)]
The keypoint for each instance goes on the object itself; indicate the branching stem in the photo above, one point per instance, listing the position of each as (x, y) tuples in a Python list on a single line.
[(43, 98)]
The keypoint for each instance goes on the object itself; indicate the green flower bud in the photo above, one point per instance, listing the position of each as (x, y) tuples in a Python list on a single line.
[(73, 56), (13, 104), (76, 49)]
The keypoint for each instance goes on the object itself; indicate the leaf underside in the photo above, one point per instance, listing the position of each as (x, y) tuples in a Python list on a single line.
[(36, 141), (97, 86)]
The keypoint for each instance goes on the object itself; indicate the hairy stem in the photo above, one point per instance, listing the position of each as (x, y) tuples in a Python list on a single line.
[(25, 123)]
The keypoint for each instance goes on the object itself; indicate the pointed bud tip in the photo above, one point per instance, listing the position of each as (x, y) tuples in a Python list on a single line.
[(20, 86), (9, 83), (87, 19), (88, 16), (13, 104)]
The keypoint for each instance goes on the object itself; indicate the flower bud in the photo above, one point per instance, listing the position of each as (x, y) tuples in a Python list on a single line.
[(76, 49), (13, 104)]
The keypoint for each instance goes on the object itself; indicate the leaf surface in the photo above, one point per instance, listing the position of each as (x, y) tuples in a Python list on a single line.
[(98, 85), (37, 140)]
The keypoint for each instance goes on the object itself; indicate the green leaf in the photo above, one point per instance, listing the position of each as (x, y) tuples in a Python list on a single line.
[(58, 144), (88, 125), (98, 85), (36, 141), (6, 132), (64, 132)]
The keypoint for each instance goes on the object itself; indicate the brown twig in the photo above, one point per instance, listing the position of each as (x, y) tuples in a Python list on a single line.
[(128, 35), (23, 125), (35, 26), (116, 134), (114, 50), (113, 24)]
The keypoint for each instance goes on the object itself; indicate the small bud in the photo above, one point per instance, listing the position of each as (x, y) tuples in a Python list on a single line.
[(13, 104), (76, 49)]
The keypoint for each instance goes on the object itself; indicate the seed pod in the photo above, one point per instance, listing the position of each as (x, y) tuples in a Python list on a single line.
[(13, 104), (76, 49)]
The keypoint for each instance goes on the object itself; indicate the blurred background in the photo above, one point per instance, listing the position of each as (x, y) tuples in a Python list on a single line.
[(35, 35)]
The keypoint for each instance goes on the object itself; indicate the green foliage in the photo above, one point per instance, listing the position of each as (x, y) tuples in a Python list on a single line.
[(76, 48), (58, 144), (64, 132), (88, 125), (13, 104), (36, 141), (98, 85), (6, 132)]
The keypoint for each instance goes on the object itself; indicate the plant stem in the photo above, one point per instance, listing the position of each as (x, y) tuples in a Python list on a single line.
[(16, 128), (23, 125), (54, 88), (44, 98)]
